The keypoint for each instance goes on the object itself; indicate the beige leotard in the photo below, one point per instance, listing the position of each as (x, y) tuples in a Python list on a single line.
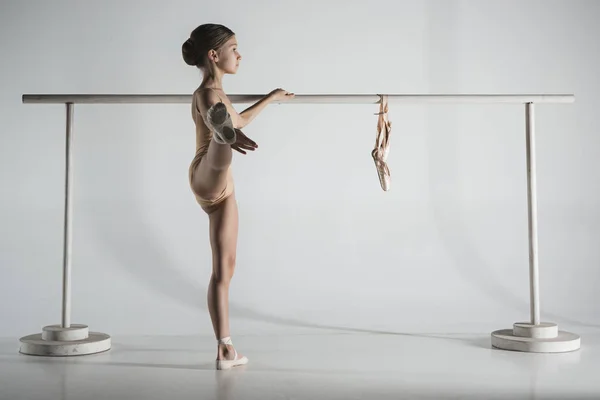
[(203, 138)]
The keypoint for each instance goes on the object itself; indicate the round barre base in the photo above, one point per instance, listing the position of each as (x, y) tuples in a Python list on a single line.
[(543, 338), (63, 342)]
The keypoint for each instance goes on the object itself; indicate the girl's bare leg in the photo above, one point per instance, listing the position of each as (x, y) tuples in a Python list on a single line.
[(210, 179), (223, 238)]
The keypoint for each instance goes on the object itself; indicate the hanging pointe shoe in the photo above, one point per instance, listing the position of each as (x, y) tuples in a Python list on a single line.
[(382, 146), (383, 170), (228, 364), (220, 123)]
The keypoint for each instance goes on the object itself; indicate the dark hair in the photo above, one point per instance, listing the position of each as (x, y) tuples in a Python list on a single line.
[(202, 39)]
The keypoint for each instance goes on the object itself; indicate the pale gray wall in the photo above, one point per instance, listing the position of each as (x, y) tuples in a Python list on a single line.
[(320, 243)]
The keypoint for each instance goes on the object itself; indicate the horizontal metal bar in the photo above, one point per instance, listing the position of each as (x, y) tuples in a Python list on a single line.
[(303, 98)]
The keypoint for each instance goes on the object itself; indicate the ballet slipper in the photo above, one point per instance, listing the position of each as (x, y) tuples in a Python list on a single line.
[(383, 171), (220, 123), (382, 146), (228, 364)]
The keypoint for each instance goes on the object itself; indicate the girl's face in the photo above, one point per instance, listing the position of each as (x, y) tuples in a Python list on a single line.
[(228, 58)]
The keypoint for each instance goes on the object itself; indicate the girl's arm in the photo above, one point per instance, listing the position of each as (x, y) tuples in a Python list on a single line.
[(246, 116)]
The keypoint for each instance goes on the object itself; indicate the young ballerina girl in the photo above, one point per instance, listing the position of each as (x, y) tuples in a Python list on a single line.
[(213, 49)]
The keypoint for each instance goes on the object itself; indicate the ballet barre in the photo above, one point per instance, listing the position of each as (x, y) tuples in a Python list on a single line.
[(69, 339), (302, 98)]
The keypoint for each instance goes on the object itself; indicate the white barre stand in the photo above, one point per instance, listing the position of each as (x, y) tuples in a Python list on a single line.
[(533, 336), (66, 339)]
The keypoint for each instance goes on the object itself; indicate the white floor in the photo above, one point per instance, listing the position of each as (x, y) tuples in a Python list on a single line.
[(306, 366)]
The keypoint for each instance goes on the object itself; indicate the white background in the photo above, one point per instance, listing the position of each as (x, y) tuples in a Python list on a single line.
[(320, 244)]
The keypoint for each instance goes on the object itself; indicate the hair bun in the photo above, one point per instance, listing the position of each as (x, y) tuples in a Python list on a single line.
[(202, 39), (189, 52)]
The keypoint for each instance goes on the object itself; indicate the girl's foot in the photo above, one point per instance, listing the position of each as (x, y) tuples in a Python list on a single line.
[(227, 356)]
